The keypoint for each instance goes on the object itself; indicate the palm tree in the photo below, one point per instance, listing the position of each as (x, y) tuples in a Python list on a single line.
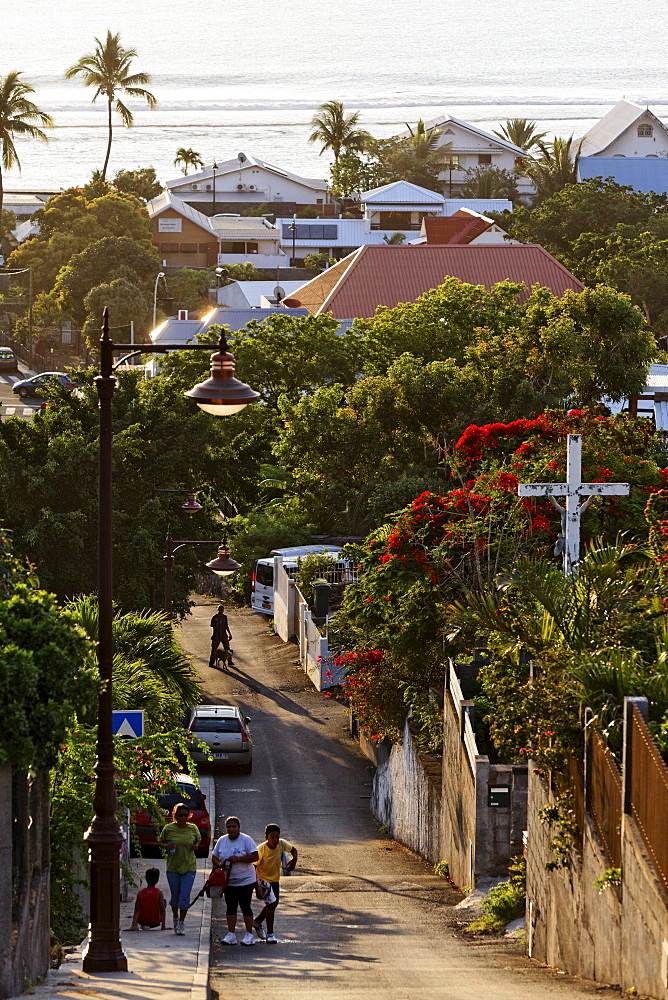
[(18, 116), (147, 655), (521, 132), (490, 182), (419, 158), (187, 158), (556, 167), (108, 70), (338, 131)]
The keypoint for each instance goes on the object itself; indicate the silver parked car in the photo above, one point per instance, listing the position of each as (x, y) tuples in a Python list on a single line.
[(225, 731)]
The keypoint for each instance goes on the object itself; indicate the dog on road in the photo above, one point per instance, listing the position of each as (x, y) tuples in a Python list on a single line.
[(224, 658)]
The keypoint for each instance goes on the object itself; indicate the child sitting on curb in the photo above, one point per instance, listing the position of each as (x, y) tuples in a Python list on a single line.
[(150, 905)]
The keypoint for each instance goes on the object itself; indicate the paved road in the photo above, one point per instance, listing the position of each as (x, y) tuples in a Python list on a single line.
[(363, 918), (10, 403)]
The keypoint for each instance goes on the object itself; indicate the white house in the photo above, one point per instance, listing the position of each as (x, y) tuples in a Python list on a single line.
[(335, 237), (470, 148), (242, 238), (626, 130), (397, 208), (400, 206), (248, 180)]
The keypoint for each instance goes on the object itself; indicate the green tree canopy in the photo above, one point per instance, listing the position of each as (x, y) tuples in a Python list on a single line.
[(127, 303), (594, 206), (49, 466), (101, 263), (70, 222), (45, 670), (142, 183)]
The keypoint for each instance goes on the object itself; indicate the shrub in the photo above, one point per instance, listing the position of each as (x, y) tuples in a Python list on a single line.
[(504, 902)]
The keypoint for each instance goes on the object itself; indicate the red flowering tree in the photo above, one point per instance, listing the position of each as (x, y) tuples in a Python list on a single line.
[(443, 547)]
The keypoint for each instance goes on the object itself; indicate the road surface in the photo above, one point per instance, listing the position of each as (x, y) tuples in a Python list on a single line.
[(363, 918)]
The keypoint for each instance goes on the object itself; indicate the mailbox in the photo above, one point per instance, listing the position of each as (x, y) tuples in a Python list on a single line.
[(499, 796)]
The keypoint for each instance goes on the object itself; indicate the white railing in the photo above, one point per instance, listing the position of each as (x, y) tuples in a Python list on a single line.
[(463, 717), (470, 743), (257, 259)]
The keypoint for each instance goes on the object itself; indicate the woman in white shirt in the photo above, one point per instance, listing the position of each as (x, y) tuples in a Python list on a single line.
[(239, 852)]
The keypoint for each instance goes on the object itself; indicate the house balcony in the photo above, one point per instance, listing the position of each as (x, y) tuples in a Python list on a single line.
[(268, 260)]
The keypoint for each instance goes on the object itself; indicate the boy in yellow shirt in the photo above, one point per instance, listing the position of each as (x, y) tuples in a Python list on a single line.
[(268, 869)]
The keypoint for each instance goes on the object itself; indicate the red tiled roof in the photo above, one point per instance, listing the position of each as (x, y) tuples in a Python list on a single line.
[(454, 229), (387, 275)]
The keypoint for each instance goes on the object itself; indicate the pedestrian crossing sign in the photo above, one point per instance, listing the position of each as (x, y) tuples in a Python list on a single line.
[(129, 725)]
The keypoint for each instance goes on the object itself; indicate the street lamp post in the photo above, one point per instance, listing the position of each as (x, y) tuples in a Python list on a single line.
[(220, 395), (171, 548), (293, 229), (158, 276)]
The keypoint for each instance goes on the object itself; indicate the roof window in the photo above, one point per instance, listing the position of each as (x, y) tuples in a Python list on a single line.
[(645, 131)]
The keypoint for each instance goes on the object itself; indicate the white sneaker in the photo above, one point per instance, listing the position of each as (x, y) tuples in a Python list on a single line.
[(181, 929), (248, 938), (259, 930), (230, 938), (176, 925), (271, 939)]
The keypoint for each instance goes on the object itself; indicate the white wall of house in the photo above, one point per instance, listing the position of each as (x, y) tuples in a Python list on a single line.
[(249, 183), (636, 141), (471, 150)]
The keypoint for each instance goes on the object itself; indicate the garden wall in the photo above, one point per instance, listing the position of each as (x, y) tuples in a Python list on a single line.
[(406, 796), (619, 935), (24, 879)]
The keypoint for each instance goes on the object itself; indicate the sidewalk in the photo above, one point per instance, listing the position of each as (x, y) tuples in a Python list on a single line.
[(161, 964)]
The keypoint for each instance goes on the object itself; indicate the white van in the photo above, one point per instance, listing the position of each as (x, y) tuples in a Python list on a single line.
[(262, 581)]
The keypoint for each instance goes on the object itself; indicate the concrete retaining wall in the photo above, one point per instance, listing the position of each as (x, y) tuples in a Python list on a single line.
[(617, 936), (407, 797)]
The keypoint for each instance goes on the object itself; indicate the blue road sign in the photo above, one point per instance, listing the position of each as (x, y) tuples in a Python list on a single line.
[(128, 724)]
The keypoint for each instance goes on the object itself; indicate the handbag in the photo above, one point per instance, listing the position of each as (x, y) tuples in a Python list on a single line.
[(285, 860), (216, 883)]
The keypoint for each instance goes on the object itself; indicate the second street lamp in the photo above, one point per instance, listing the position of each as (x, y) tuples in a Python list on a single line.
[(171, 548), (220, 395)]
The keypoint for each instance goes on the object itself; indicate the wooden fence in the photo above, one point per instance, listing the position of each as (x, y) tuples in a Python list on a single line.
[(649, 794), (606, 799)]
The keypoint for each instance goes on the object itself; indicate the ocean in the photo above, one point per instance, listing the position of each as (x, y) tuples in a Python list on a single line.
[(247, 77)]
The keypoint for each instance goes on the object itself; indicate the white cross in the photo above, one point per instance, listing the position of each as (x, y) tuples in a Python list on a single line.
[(573, 489)]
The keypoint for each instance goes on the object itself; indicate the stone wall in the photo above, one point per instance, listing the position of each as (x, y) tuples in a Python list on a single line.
[(407, 796), (619, 935), (24, 879)]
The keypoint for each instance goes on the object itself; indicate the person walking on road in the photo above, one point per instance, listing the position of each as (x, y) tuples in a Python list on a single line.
[(221, 633), (240, 852), (268, 870), (181, 839)]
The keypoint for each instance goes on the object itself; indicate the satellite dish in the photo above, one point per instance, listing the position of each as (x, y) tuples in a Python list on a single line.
[(279, 293), (241, 157)]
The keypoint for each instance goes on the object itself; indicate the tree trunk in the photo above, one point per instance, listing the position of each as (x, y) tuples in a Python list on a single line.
[(2, 198), (106, 159)]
